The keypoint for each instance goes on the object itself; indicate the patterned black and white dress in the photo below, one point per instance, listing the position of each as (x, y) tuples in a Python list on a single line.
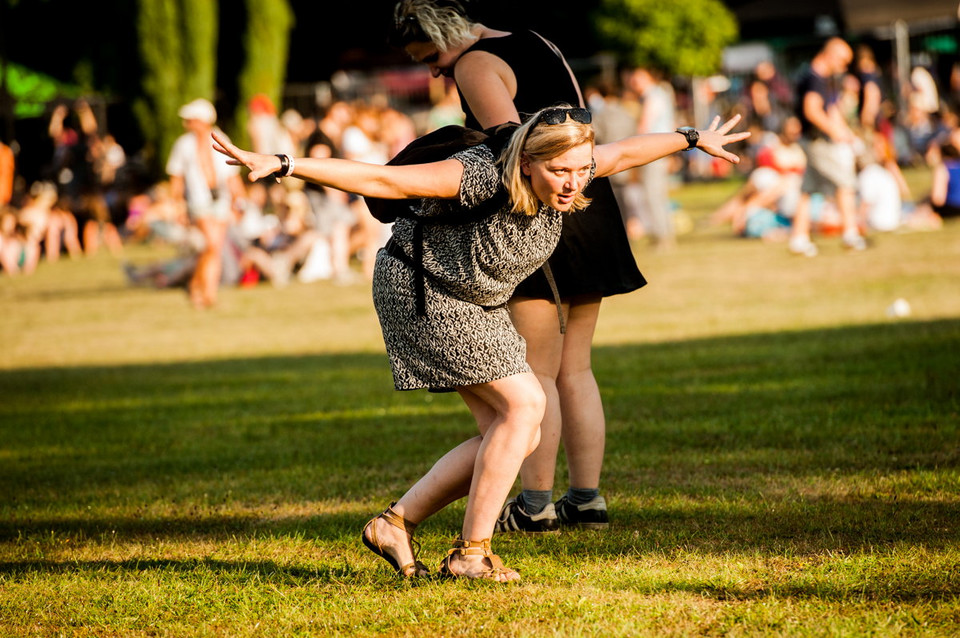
[(466, 336)]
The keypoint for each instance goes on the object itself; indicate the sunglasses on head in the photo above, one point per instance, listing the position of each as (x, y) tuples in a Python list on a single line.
[(559, 116)]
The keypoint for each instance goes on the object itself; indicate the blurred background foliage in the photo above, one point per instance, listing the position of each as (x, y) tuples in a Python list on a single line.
[(137, 62), (679, 38)]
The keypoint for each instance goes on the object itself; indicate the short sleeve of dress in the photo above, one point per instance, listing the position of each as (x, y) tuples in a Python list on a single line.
[(481, 178)]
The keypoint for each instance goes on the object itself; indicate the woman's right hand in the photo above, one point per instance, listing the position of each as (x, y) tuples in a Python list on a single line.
[(713, 139), (260, 165)]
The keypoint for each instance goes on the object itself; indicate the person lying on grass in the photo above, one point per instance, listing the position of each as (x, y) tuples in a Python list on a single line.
[(440, 291)]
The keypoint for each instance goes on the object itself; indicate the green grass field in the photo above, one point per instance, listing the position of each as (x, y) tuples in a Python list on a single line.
[(783, 457)]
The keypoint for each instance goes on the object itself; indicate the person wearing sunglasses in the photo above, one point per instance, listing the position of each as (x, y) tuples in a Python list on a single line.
[(501, 75), (465, 340)]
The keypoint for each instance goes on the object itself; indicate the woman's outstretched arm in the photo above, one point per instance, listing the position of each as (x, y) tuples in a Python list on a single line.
[(642, 149), (437, 180)]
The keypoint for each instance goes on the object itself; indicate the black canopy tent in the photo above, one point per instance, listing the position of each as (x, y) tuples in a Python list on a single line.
[(893, 20), (897, 20)]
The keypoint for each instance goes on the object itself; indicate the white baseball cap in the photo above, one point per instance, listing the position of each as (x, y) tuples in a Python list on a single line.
[(199, 109)]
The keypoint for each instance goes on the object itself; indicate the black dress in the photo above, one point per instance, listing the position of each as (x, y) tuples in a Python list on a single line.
[(594, 255)]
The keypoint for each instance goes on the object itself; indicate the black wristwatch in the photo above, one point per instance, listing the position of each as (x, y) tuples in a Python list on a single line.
[(692, 135)]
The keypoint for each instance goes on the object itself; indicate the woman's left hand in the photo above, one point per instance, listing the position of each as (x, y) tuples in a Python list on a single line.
[(260, 165), (713, 139)]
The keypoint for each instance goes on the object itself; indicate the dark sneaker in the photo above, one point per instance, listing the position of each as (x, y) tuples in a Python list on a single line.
[(592, 515), (513, 518)]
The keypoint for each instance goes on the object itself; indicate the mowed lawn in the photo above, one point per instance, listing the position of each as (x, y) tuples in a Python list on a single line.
[(783, 456)]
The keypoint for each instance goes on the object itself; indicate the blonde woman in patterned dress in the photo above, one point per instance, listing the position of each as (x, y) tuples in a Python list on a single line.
[(451, 330)]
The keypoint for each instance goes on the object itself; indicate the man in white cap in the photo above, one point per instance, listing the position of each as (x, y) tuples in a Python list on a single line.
[(208, 189)]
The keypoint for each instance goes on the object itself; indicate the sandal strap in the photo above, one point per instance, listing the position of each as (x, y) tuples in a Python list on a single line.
[(418, 569), (392, 518), (471, 548), (496, 563), (474, 548), (462, 544), (398, 521)]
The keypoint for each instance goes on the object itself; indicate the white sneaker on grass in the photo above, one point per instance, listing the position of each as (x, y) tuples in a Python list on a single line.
[(801, 245), (854, 241)]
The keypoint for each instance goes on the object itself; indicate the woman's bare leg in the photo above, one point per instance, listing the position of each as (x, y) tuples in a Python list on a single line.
[(206, 279), (71, 233), (536, 320), (514, 434), (584, 425), (484, 468), (574, 415), (52, 243)]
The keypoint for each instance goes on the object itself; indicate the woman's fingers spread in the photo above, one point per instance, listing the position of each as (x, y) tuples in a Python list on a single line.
[(729, 124)]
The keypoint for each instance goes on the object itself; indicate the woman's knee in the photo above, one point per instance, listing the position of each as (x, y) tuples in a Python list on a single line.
[(571, 380), (529, 405), (519, 401), (525, 421)]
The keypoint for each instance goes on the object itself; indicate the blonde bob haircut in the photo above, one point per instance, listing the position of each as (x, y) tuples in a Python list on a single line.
[(538, 141), (443, 22)]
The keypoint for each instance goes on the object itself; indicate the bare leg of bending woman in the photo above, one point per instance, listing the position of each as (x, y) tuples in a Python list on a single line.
[(574, 414), (584, 426), (508, 413)]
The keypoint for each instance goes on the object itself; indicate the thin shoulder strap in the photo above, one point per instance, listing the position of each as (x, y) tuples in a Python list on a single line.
[(548, 273), (559, 54)]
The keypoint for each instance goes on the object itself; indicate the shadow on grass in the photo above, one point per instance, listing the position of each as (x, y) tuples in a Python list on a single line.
[(908, 589), (72, 293), (760, 524), (917, 591), (821, 440), (321, 527), (262, 570)]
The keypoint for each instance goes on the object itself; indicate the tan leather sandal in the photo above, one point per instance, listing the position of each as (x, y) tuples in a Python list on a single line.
[(408, 570), (475, 548)]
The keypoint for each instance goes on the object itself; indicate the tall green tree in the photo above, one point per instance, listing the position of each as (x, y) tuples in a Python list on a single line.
[(178, 46), (680, 37), (200, 28), (6, 102), (267, 46)]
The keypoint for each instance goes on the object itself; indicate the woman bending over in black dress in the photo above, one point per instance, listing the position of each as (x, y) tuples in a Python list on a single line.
[(469, 271)]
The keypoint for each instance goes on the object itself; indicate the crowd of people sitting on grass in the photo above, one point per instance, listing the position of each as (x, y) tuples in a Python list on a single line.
[(880, 140), (90, 197)]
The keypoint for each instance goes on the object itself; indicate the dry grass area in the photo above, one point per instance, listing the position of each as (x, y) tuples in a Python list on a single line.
[(77, 313)]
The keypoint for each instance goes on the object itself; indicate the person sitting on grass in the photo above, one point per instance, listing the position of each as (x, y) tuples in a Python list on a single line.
[(18, 254), (281, 248), (440, 291)]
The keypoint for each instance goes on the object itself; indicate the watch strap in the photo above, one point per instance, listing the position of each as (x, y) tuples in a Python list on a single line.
[(691, 134)]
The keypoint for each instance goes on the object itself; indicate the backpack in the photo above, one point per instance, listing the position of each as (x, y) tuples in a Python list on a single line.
[(436, 146)]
